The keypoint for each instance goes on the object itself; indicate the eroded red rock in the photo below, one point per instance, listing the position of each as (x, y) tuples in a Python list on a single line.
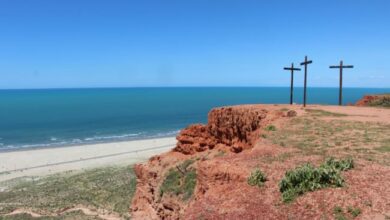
[(232, 126)]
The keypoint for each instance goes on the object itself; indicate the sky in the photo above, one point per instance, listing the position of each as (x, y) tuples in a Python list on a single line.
[(148, 43)]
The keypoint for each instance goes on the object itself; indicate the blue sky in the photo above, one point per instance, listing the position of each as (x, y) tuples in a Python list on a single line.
[(94, 43)]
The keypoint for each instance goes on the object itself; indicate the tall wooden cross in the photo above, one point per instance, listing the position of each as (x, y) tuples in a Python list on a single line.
[(306, 62), (292, 80), (341, 67)]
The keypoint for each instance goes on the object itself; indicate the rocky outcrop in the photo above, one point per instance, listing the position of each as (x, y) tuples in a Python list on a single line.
[(366, 100), (233, 127), (375, 100)]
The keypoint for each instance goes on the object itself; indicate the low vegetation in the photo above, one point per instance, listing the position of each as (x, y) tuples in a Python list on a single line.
[(110, 189), (323, 113), (352, 212), (270, 128), (77, 215), (355, 212), (339, 213), (367, 140), (381, 101), (257, 178), (180, 181), (309, 178)]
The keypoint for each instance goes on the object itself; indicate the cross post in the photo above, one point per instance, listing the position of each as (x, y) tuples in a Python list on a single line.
[(341, 67), (306, 62), (292, 80)]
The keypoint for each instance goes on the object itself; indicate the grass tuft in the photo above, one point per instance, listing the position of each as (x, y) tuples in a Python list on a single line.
[(341, 165), (257, 178), (355, 212), (270, 128)]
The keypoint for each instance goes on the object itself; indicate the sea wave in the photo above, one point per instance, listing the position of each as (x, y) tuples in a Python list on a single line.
[(59, 142), (112, 137), (167, 134)]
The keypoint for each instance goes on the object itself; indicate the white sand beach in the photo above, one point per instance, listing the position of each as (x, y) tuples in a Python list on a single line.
[(39, 162)]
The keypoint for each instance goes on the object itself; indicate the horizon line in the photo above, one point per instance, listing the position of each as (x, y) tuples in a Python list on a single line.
[(157, 87)]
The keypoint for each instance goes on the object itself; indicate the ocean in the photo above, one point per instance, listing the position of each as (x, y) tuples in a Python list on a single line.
[(64, 117)]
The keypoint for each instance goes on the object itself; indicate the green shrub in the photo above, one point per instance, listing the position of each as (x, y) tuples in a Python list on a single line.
[(178, 183), (257, 178), (309, 178), (337, 210), (354, 211), (341, 165), (270, 128)]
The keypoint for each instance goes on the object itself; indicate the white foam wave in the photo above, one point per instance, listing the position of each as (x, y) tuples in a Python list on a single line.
[(97, 138)]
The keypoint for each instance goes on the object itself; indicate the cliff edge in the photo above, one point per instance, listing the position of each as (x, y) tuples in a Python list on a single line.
[(208, 174)]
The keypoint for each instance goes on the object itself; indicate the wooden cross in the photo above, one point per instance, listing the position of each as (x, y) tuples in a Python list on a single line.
[(306, 62), (292, 80), (341, 67)]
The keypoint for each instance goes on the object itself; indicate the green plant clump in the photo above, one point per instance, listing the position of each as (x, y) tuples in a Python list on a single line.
[(341, 165), (309, 178), (270, 128), (180, 181), (257, 178), (339, 213), (354, 211)]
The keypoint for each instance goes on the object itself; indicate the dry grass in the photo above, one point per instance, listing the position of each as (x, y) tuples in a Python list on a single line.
[(314, 136), (110, 189), (77, 215)]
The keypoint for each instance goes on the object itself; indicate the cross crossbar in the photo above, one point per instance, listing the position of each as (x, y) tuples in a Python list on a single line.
[(307, 62), (337, 67), (289, 68)]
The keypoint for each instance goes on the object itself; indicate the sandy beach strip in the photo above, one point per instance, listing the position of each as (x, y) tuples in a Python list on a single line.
[(40, 162)]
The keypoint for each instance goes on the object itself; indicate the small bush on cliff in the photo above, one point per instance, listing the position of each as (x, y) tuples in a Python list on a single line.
[(257, 178), (180, 181), (270, 128), (309, 178)]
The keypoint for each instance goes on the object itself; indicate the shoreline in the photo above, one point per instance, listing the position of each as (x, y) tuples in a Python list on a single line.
[(46, 161), (53, 146)]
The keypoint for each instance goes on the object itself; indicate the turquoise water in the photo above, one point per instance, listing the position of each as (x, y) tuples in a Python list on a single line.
[(58, 117)]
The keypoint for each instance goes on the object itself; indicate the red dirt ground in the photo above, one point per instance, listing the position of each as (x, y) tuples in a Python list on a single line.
[(222, 191)]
